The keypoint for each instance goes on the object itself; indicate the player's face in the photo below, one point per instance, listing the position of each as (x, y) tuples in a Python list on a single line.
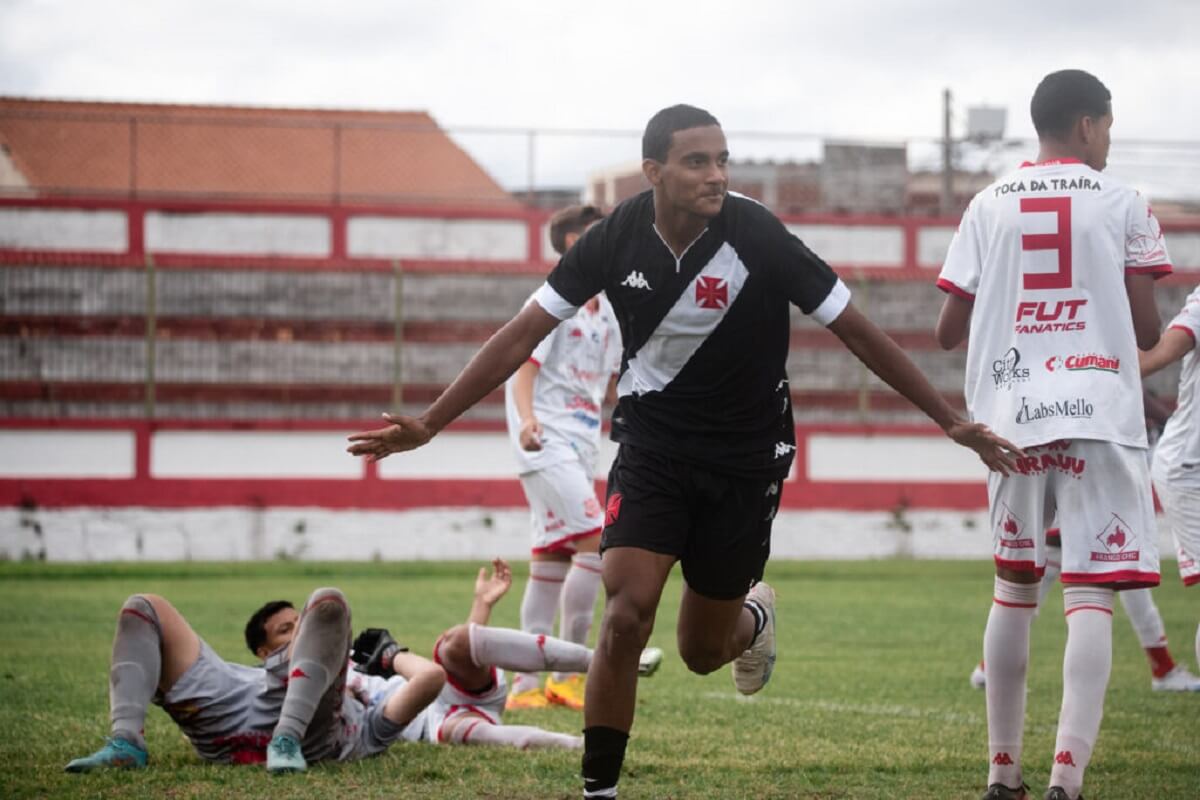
[(695, 176), (1099, 141), (280, 628)]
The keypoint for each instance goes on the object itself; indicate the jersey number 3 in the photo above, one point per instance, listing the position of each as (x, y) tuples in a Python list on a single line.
[(1060, 241)]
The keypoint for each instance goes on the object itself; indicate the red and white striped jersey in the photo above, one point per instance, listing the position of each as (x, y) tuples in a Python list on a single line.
[(1043, 253)]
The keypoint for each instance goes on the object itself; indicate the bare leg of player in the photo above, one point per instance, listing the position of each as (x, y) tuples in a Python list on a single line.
[(633, 581)]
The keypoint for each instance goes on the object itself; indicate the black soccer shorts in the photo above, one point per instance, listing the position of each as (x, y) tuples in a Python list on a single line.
[(718, 526)]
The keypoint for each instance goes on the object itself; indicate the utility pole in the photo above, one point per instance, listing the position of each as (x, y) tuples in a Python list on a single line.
[(947, 204)]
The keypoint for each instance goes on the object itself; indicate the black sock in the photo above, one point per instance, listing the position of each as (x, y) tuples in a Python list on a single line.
[(760, 620), (603, 754)]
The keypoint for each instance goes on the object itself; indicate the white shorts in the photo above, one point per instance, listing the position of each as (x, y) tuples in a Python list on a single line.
[(563, 506), (1182, 508), (1101, 492), (456, 700)]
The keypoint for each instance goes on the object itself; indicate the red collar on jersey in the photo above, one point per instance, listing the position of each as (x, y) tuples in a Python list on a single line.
[(1051, 162)]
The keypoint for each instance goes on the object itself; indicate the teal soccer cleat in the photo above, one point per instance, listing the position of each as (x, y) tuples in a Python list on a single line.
[(283, 755), (116, 754)]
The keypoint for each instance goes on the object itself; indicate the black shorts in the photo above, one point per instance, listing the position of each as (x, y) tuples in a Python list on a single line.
[(718, 526)]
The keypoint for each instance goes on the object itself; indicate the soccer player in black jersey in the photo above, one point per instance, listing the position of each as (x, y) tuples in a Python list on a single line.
[(701, 281)]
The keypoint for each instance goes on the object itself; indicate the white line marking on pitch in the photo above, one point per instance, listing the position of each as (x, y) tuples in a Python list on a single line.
[(906, 712)]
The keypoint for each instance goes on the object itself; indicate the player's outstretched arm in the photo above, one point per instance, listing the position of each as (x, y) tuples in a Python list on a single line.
[(508, 348), (1173, 345), (885, 358)]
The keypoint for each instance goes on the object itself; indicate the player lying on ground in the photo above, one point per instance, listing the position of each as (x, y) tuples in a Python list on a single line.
[(230, 712), (468, 709), (289, 707)]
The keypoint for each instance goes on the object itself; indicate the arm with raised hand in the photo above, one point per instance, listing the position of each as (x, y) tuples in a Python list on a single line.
[(499, 357)]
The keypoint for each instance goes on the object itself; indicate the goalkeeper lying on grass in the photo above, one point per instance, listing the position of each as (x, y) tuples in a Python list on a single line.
[(304, 703)]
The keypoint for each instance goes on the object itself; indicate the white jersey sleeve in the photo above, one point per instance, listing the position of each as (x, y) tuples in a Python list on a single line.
[(960, 272), (1145, 250)]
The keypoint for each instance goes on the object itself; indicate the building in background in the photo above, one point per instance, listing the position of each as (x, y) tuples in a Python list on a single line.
[(52, 147)]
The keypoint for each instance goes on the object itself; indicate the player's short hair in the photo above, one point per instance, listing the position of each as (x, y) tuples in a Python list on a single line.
[(256, 628), (572, 219), (1063, 97), (656, 141)]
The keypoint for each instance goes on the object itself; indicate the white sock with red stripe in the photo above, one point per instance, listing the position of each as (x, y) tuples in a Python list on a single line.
[(1086, 666), (1006, 653), (1148, 625), (527, 652), (538, 607), (579, 592)]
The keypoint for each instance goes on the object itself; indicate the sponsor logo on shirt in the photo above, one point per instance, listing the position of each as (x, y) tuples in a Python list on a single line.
[(1037, 462), (1117, 540), (1050, 317), (1007, 370), (783, 448), (1077, 408), (636, 280), (1078, 363)]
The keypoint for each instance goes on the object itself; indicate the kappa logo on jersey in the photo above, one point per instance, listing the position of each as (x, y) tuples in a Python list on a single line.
[(297, 673), (1117, 539), (613, 510), (1011, 528), (1077, 408), (1077, 363), (636, 280), (1007, 370), (1050, 317), (783, 448), (711, 292)]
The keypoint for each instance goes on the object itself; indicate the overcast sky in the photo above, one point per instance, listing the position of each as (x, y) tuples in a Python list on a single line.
[(847, 68)]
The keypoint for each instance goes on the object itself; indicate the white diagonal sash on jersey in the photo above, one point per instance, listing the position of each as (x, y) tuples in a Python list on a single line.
[(686, 326)]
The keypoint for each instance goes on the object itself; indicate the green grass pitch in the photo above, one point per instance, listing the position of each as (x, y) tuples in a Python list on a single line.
[(869, 700)]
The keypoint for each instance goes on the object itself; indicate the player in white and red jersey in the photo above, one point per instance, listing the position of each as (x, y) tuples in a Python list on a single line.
[(1176, 467), (304, 703), (553, 404), (1050, 277)]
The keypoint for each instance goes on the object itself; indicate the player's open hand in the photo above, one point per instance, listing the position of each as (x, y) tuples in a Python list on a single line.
[(997, 453), (531, 435), (489, 588), (404, 433)]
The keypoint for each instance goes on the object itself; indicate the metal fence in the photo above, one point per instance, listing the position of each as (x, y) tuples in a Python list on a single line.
[(364, 157)]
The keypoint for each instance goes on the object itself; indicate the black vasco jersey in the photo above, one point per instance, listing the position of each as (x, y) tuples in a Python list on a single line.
[(705, 336)]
